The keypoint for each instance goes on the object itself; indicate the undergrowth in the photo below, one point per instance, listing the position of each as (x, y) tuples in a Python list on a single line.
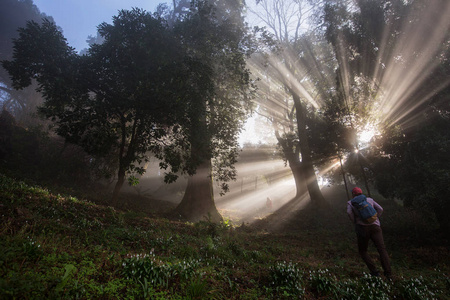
[(56, 246)]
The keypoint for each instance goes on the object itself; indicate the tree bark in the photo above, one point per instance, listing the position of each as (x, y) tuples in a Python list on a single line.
[(300, 180), (123, 160), (118, 186), (198, 200), (343, 176), (294, 164)]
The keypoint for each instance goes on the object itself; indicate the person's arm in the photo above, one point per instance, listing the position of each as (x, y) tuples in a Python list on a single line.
[(377, 207)]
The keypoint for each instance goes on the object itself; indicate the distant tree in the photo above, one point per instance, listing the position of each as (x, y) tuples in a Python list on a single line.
[(293, 87), (119, 98), (91, 40), (15, 14)]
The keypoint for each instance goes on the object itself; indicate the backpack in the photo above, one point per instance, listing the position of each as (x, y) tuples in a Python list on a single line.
[(366, 211)]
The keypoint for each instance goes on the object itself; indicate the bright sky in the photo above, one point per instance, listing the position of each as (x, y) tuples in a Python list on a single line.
[(80, 18)]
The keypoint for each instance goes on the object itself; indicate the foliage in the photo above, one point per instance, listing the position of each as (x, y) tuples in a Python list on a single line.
[(34, 153), (214, 33), (146, 269), (99, 101), (415, 288), (323, 282), (287, 279), (415, 166)]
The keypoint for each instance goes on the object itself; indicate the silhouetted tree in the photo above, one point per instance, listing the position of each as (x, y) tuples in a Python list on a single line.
[(214, 34), (119, 98)]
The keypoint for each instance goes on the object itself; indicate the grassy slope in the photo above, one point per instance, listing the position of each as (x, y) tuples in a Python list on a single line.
[(58, 246)]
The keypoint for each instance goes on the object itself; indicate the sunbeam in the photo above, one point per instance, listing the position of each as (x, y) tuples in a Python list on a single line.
[(402, 84)]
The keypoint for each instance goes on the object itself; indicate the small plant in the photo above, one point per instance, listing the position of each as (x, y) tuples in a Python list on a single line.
[(287, 279), (163, 243), (210, 246), (373, 287), (235, 248), (31, 248), (197, 289), (415, 288), (226, 223), (187, 268), (323, 282), (145, 267), (69, 270)]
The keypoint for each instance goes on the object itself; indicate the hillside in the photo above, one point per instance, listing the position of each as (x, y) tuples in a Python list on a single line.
[(59, 246)]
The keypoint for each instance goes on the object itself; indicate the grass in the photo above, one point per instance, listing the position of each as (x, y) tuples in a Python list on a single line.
[(55, 246)]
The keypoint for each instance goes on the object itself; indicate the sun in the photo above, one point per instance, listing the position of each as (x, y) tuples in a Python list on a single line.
[(367, 134)]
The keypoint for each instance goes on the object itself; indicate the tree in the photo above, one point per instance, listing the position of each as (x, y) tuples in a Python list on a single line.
[(291, 105), (119, 98), (216, 37)]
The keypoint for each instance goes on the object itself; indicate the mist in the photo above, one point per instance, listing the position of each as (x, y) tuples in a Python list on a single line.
[(213, 150)]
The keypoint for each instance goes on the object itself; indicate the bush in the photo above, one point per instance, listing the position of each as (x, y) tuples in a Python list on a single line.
[(414, 289), (287, 279)]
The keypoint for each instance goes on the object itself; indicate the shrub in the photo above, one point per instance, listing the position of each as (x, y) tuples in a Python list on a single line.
[(414, 288), (323, 282), (287, 279), (144, 267)]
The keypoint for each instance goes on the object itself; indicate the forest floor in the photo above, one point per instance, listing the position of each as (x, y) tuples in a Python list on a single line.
[(56, 245), (412, 239)]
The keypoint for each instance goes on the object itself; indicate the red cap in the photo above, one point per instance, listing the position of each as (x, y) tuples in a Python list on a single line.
[(356, 191)]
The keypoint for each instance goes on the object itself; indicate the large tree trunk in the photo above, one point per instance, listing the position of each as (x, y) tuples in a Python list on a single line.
[(315, 193), (122, 169), (198, 200), (300, 180), (294, 163)]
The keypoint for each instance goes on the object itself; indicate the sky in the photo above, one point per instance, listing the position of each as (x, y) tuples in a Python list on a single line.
[(80, 18)]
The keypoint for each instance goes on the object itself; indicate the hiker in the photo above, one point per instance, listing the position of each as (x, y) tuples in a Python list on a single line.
[(368, 229)]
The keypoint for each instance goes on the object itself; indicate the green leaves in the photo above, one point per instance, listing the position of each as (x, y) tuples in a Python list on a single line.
[(70, 269), (287, 278)]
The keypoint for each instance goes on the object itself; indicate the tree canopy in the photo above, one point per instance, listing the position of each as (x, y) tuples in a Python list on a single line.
[(120, 98), (181, 92)]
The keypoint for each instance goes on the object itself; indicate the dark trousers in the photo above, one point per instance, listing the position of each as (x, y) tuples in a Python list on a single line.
[(365, 233)]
